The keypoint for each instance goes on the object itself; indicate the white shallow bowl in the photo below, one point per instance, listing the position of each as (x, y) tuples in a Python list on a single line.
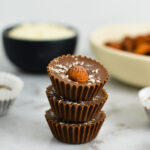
[(130, 68)]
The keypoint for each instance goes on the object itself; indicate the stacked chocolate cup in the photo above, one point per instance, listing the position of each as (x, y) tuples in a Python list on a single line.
[(75, 116)]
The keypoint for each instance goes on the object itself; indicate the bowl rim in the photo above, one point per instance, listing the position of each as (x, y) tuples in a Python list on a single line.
[(113, 50), (8, 28)]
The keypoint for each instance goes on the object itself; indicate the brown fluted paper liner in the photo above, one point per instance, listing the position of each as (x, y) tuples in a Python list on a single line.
[(74, 133), (74, 91), (76, 112)]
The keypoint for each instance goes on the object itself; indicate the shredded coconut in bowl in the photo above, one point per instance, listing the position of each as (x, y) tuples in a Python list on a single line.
[(41, 31)]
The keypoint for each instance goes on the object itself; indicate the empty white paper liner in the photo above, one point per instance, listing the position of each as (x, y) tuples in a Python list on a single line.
[(4, 106), (13, 83), (10, 87), (144, 96)]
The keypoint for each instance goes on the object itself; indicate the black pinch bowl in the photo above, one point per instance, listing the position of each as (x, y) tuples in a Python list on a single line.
[(33, 56)]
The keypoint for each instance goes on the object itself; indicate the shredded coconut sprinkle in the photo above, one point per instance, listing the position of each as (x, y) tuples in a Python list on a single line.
[(95, 71), (61, 66), (92, 80), (82, 63), (57, 70)]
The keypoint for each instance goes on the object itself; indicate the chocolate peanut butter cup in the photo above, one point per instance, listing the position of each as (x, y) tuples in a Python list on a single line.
[(74, 133), (77, 78), (76, 111)]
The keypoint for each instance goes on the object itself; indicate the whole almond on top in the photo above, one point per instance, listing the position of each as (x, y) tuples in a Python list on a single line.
[(78, 73)]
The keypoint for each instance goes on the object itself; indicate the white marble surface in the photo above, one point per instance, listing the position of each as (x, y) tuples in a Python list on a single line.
[(25, 128)]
